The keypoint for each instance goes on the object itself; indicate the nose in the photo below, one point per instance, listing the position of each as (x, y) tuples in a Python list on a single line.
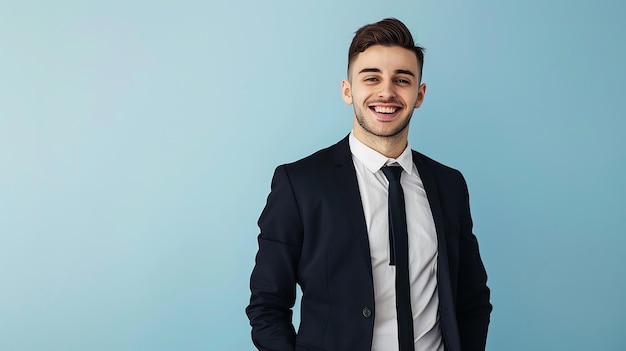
[(387, 90)]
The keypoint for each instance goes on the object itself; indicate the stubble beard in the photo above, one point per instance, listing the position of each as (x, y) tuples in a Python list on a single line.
[(360, 118)]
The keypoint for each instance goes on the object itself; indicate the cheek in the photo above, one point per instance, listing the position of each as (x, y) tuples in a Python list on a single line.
[(410, 98), (359, 97)]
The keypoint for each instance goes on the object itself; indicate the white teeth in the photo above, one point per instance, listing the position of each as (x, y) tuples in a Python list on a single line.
[(385, 109)]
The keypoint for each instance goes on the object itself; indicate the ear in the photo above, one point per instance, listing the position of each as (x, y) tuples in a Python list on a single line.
[(346, 92), (421, 91)]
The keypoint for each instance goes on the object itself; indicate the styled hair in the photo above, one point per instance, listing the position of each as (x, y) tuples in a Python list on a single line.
[(388, 32)]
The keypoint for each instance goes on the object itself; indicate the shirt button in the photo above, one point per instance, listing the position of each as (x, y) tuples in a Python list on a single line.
[(367, 312)]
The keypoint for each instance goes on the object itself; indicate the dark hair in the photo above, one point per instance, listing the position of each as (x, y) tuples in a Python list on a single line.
[(388, 32)]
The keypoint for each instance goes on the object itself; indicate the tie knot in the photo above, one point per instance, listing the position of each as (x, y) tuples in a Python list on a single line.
[(392, 173)]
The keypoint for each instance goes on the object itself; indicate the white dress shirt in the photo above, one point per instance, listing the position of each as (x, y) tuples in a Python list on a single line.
[(422, 249)]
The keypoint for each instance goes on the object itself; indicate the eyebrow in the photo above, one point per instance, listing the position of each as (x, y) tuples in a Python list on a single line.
[(376, 70)]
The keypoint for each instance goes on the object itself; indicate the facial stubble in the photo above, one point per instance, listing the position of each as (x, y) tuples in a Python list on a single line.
[(360, 118)]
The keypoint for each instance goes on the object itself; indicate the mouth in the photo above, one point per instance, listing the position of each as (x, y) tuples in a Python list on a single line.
[(385, 112)]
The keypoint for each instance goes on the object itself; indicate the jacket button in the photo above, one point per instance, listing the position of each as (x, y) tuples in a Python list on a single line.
[(366, 312)]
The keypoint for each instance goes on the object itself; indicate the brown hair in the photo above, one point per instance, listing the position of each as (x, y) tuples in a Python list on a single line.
[(388, 32)]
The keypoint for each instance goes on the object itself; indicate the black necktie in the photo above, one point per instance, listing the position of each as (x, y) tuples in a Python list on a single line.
[(399, 247)]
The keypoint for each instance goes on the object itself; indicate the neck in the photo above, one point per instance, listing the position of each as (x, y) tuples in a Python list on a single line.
[(391, 146)]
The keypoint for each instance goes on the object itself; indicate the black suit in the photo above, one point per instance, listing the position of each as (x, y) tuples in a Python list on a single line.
[(313, 233)]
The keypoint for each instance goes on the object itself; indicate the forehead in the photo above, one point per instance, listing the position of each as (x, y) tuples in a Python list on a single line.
[(385, 58)]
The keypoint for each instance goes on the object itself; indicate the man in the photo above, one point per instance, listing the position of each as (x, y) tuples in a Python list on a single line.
[(341, 222)]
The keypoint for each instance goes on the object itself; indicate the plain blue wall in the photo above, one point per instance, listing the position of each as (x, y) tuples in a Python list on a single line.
[(138, 138)]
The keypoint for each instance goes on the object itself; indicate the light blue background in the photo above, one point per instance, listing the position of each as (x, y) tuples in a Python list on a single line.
[(138, 139)]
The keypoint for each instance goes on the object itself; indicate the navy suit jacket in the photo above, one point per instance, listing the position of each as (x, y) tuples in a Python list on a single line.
[(313, 233)]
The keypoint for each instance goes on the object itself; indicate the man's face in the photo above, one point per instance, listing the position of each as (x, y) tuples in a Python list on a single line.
[(384, 87)]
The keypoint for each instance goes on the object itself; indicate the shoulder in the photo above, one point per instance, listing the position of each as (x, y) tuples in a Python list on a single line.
[(439, 169), (313, 160), (315, 170), (321, 160)]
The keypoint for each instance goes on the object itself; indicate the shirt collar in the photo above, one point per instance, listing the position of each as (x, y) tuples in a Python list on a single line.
[(374, 161)]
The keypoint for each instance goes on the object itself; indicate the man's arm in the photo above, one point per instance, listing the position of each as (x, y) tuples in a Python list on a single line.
[(274, 278), (473, 306)]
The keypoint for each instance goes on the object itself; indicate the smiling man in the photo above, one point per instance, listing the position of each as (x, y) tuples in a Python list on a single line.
[(378, 236)]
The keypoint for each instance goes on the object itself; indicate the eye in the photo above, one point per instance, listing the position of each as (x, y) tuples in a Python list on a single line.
[(371, 79), (403, 81)]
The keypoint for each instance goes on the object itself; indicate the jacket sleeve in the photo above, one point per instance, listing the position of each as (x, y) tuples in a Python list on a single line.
[(274, 277), (473, 306)]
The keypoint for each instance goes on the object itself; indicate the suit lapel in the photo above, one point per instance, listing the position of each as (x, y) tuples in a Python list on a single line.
[(349, 189), (432, 193), (446, 294)]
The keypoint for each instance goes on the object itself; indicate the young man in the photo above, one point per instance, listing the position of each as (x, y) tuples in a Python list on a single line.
[(379, 237)]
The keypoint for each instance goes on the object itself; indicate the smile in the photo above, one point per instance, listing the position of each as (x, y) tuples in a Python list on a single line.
[(384, 109), (385, 113)]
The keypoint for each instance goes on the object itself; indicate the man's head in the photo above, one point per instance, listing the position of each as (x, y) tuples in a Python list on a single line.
[(388, 32), (384, 84)]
